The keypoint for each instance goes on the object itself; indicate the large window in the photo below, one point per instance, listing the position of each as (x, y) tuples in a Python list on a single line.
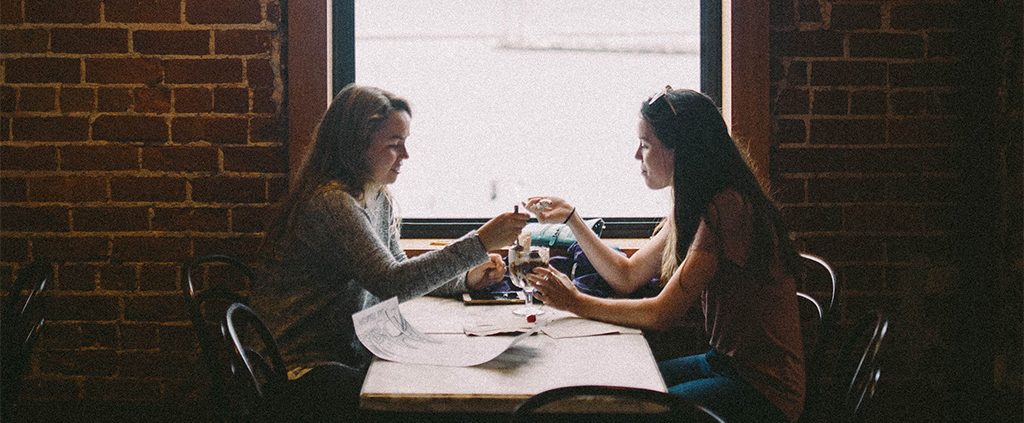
[(513, 98)]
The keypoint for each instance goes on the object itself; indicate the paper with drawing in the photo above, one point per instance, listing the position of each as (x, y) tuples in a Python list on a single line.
[(384, 332)]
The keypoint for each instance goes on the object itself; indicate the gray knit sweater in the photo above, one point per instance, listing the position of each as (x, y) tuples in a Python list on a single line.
[(342, 258)]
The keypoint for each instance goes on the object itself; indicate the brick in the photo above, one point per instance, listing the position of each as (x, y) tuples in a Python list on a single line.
[(228, 130), (242, 42), (269, 129), (274, 12), (130, 129), (856, 16), (862, 160), (8, 99), (178, 338), (143, 11), (90, 308), (171, 42), (34, 219), (81, 363), (945, 44), (846, 248), (923, 131), (807, 43), (15, 249), (921, 249), (10, 12), (42, 70), (880, 189), (277, 188), (792, 102), (228, 189), (923, 74), (812, 218), (924, 16), (837, 131), (192, 219), (150, 364), (62, 11), (89, 40), (113, 100), (788, 190), (939, 218), (99, 157), (226, 277), (37, 99), (870, 102), (152, 100), (156, 249), (847, 73), (830, 102), (909, 102), (193, 100), (118, 278), (782, 15), (99, 335), (158, 277), (890, 218), (139, 336), (28, 158), (225, 12), (60, 336), (123, 71), (249, 219), (809, 10), (5, 128), (862, 277), (255, 159), (886, 45), (67, 188), (203, 71), (70, 248), (24, 40), (231, 100), (260, 73), (243, 247), (111, 219), (263, 101), (78, 277), (186, 159), (147, 189), (77, 99), (12, 189), (121, 389), (164, 308)]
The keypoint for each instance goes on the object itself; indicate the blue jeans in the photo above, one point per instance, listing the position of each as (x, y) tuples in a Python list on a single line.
[(709, 380)]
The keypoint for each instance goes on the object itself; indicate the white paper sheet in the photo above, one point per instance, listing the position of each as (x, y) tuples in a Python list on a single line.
[(384, 332), (554, 323)]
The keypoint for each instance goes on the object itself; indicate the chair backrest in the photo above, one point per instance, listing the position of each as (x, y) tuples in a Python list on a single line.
[(812, 323), (23, 318), (206, 309), (817, 268), (864, 345), (255, 360), (664, 406)]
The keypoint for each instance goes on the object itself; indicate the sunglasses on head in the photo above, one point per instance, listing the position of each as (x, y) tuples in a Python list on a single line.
[(661, 94)]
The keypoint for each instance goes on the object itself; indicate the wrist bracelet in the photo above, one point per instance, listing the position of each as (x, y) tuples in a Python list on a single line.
[(569, 216)]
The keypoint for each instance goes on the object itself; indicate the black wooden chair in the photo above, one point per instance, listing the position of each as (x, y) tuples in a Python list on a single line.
[(206, 309), (23, 318), (822, 276), (259, 373), (640, 405)]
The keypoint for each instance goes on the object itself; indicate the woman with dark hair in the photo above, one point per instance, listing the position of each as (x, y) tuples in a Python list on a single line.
[(333, 248), (723, 245)]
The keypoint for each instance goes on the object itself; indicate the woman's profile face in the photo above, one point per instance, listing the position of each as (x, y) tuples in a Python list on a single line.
[(387, 150), (656, 160)]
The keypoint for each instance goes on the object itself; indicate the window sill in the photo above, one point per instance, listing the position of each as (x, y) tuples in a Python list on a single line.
[(416, 246)]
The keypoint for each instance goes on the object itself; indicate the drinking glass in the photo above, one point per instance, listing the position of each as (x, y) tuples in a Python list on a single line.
[(522, 260)]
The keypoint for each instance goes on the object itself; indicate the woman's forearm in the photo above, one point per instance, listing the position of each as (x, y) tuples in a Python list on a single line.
[(616, 269)]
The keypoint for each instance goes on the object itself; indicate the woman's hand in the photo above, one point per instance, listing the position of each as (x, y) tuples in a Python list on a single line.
[(501, 230), (485, 275), (554, 288), (549, 209)]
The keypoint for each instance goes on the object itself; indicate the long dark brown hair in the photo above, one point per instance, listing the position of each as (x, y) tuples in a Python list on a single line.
[(338, 156), (707, 161)]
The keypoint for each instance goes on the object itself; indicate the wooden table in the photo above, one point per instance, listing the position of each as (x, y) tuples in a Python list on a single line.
[(536, 364)]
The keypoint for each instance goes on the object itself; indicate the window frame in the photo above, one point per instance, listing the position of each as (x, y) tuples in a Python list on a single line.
[(734, 39)]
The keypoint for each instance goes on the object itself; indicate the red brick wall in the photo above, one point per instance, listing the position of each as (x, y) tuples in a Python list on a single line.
[(133, 134), (896, 154)]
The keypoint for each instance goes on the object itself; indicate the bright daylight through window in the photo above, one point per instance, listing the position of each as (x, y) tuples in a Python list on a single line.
[(513, 98)]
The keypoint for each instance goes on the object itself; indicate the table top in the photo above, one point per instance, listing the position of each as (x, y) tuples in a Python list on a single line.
[(536, 364)]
